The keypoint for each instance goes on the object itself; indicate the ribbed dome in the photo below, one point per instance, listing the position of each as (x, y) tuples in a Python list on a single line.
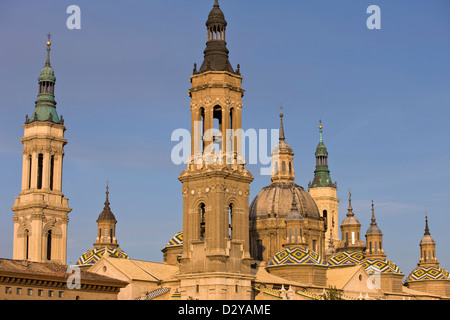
[(275, 200), (427, 239), (281, 146), (47, 74)]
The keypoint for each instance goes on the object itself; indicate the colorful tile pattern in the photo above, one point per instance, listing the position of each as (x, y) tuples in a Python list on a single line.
[(93, 255), (346, 258), (380, 266), (177, 240), (296, 255), (430, 273)]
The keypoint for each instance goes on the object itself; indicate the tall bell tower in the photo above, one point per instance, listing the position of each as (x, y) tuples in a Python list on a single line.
[(215, 262), (41, 210)]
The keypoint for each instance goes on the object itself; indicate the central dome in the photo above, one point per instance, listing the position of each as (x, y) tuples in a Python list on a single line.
[(275, 201)]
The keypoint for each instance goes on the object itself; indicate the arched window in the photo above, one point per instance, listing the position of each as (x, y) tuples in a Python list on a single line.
[(230, 220), (39, 172), (283, 166), (325, 218), (49, 245), (52, 169), (217, 129), (290, 167), (202, 221), (27, 243), (29, 171)]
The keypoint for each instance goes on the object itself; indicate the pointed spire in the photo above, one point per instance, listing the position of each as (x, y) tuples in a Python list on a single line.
[(427, 230), (294, 214), (282, 137), (107, 214), (373, 221), (45, 105), (47, 62), (294, 202), (216, 52), (350, 209), (373, 228), (322, 176), (107, 193), (320, 128)]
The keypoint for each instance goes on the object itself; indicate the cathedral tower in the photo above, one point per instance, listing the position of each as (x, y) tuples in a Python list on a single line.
[(374, 240), (427, 249), (324, 192), (41, 210), (106, 227), (350, 231), (215, 262)]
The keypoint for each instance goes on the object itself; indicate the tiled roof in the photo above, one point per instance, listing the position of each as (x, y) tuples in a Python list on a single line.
[(28, 269)]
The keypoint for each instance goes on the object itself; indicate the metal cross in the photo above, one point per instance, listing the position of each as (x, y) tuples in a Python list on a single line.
[(49, 36)]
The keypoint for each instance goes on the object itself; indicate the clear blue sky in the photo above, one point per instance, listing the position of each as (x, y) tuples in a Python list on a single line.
[(122, 81)]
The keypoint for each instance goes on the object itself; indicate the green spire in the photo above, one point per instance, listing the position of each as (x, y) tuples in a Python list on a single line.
[(322, 173), (45, 109)]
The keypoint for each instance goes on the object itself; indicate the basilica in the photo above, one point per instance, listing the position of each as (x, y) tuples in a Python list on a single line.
[(284, 244)]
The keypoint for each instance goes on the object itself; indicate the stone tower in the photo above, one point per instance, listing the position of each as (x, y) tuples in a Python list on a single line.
[(215, 262), (41, 211), (324, 193)]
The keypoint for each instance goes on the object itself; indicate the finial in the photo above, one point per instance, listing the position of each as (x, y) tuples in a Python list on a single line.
[(294, 202), (320, 129), (107, 193), (373, 215), (281, 124), (350, 209), (216, 3), (47, 62), (427, 231), (349, 197)]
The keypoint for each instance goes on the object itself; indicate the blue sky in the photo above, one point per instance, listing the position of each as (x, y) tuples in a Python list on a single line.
[(122, 80)]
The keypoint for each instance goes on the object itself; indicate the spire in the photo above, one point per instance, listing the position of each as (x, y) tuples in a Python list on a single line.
[(373, 222), (106, 214), (373, 229), (282, 138), (322, 173), (45, 105), (294, 214), (47, 62), (350, 209), (427, 231), (320, 128), (282, 158), (216, 52)]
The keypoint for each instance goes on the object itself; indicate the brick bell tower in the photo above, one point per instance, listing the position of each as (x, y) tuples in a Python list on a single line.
[(215, 262), (41, 211)]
